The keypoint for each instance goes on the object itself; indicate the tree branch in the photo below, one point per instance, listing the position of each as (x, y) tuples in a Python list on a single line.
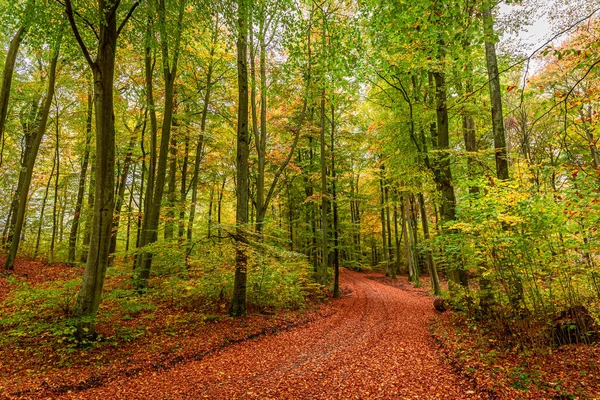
[(86, 53), (128, 16)]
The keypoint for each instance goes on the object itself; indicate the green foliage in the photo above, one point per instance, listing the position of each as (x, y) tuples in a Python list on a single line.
[(29, 313), (537, 251)]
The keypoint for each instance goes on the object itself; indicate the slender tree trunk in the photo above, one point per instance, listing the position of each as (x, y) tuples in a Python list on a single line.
[(130, 209), (89, 215), (55, 204), (43, 209), (200, 145), (152, 215), (238, 302), (30, 164), (396, 238), (8, 71), (435, 281), (210, 209), (183, 189), (323, 273), (120, 192), (219, 203), (407, 246), (81, 185), (336, 251), (171, 190), (382, 218), (389, 232), (495, 96)]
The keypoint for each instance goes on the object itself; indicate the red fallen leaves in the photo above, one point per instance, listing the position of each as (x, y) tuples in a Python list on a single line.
[(374, 344), (565, 372)]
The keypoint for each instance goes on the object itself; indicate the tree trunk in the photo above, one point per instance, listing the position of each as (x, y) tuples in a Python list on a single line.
[(81, 185), (183, 189), (433, 275), (495, 96), (42, 210), (171, 190), (382, 218), (103, 69), (238, 302), (120, 192), (336, 254), (389, 231), (407, 246), (152, 215), (448, 211), (30, 164), (55, 203), (200, 146), (7, 73)]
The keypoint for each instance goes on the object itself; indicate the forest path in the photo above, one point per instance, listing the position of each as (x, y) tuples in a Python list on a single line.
[(376, 345)]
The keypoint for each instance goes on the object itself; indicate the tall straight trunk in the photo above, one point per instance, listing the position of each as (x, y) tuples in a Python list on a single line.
[(323, 273), (407, 245), (383, 222), (81, 185), (171, 190), (130, 209), (412, 233), (200, 145), (11, 210), (9, 69), (120, 192), (210, 210), (495, 96), (448, 211), (396, 238), (336, 250), (87, 229), (389, 232), (183, 189), (238, 301), (30, 126), (43, 209), (468, 127), (433, 275), (219, 203), (152, 215), (149, 61), (261, 135), (32, 153), (103, 69), (55, 203)]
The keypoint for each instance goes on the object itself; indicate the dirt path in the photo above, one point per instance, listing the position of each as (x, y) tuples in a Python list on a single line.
[(375, 346)]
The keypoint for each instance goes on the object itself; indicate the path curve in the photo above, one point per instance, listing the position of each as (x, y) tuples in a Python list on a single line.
[(375, 346)]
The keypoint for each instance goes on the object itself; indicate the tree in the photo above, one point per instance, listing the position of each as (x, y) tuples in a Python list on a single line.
[(238, 301), (103, 69)]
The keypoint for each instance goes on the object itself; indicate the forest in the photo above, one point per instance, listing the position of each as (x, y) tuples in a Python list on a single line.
[(299, 199)]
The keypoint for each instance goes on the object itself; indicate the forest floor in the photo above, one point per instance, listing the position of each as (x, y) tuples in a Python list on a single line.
[(373, 342)]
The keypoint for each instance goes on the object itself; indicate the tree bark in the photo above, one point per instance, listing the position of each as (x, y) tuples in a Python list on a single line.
[(103, 69), (336, 251), (55, 203), (238, 302), (495, 96), (8, 71), (433, 275), (32, 152), (81, 185), (152, 215)]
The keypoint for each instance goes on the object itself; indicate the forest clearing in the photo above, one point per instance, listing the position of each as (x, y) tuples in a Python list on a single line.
[(300, 199)]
